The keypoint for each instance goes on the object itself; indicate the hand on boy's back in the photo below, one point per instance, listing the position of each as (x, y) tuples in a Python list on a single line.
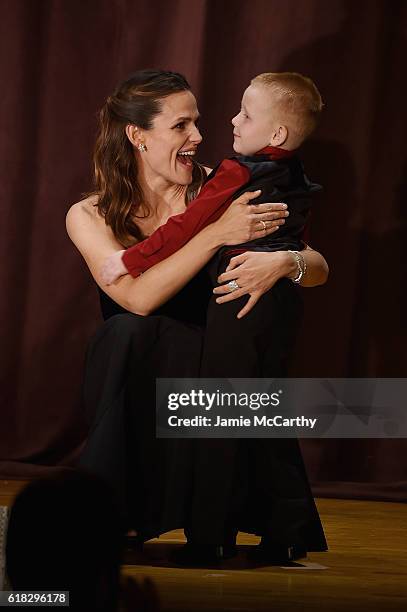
[(112, 268)]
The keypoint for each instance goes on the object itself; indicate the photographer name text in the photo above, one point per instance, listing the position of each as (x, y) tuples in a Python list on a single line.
[(254, 421)]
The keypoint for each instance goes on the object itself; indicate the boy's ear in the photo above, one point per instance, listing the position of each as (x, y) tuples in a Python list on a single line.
[(279, 136)]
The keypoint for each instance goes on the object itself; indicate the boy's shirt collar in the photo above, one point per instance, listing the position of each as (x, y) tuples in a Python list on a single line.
[(276, 152)]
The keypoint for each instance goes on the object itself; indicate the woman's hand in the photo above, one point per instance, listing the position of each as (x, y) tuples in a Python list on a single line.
[(243, 221), (255, 273)]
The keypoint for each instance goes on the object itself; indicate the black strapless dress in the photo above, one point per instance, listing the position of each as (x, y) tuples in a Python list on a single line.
[(205, 486)]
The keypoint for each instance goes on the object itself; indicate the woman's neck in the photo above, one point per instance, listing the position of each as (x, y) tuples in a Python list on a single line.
[(161, 197)]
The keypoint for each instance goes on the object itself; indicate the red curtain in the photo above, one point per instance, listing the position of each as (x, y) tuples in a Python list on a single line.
[(60, 59)]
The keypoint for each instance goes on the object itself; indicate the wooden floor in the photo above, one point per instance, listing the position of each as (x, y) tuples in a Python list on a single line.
[(365, 568)]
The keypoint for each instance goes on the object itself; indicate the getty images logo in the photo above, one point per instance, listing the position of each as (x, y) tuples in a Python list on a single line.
[(206, 400)]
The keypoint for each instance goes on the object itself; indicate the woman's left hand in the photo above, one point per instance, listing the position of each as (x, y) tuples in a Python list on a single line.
[(255, 272)]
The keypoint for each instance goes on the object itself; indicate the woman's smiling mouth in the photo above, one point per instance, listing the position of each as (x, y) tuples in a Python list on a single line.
[(185, 157)]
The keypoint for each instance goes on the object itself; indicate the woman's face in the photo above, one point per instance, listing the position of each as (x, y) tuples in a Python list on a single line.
[(172, 141)]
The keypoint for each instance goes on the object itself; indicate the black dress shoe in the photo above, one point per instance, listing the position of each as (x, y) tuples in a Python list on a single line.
[(276, 553), (193, 555)]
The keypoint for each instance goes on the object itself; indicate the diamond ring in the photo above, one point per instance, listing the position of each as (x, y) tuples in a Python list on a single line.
[(233, 285), (264, 225)]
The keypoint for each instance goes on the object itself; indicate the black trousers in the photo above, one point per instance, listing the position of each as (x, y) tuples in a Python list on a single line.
[(257, 485)]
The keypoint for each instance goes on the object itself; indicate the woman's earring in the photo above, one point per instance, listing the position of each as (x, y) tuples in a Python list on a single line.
[(142, 147)]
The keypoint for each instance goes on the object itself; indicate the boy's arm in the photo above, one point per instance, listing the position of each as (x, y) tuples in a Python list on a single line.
[(214, 198)]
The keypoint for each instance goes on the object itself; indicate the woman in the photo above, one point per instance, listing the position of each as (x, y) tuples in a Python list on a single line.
[(144, 174)]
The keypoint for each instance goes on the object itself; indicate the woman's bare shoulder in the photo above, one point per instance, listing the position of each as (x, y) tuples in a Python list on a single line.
[(84, 210), (84, 216), (207, 170), (87, 229)]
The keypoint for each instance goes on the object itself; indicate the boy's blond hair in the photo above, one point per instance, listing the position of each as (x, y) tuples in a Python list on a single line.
[(297, 97)]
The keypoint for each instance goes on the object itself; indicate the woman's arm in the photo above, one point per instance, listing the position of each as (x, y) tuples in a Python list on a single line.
[(144, 294), (256, 272), (317, 268)]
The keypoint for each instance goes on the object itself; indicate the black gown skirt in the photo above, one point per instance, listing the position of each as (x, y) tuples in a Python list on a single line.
[(207, 486)]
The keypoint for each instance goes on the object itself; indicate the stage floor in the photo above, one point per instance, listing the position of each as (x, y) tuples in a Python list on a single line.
[(364, 569)]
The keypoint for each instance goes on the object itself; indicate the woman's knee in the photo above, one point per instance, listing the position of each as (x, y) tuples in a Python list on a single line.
[(125, 322), (119, 331)]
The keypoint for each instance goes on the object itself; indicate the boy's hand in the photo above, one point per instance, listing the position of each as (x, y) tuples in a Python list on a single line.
[(112, 268)]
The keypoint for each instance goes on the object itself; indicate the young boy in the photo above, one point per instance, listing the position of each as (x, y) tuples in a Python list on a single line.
[(279, 111)]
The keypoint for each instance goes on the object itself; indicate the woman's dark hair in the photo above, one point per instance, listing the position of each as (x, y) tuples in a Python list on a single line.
[(136, 101)]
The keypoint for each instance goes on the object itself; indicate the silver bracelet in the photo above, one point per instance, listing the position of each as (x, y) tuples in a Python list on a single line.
[(302, 266)]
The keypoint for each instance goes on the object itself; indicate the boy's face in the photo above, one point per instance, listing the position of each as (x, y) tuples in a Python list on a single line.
[(254, 125)]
